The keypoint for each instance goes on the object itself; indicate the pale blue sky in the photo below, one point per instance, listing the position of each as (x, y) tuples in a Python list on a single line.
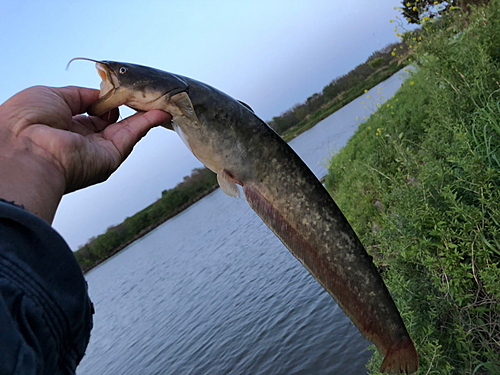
[(269, 54)]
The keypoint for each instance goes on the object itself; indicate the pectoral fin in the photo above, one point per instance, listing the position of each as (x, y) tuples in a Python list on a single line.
[(184, 107)]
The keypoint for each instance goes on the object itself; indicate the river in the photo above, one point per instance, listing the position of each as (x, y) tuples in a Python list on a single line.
[(213, 291)]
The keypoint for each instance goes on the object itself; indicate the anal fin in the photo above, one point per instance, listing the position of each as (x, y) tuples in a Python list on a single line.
[(282, 228)]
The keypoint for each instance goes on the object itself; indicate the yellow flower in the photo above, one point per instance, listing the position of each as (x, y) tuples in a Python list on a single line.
[(409, 19), (393, 53), (363, 102), (390, 21), (364, 117), (411, 46), (388, 105), (408, 4), (395, 8), (366, 91), (369, 128), (356, 118), (436, 3), (380, 88), (406, 69), (414, 8), (452, 7), (412, 83), (367, 96), (398, 34), (378, 104)]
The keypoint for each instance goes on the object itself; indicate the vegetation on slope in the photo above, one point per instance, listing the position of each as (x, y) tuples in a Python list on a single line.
[(194, 187), (341, 91), (420, 183)]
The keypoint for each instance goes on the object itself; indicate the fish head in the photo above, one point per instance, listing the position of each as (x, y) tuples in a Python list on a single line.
[(139, 87)]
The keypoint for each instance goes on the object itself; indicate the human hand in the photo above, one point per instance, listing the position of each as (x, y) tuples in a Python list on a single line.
[(48, 148)]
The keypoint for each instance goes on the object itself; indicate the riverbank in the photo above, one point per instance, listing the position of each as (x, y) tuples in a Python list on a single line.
[(199, 184), (149, 228), (420, 181)]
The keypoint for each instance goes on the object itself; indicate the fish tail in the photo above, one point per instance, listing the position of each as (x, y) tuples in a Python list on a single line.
[(401, 358)]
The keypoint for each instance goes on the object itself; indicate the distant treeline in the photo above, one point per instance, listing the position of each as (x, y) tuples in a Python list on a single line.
[(342, 90), (172, 201)]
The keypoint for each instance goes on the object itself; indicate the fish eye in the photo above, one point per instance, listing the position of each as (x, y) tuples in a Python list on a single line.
[(122, 70)]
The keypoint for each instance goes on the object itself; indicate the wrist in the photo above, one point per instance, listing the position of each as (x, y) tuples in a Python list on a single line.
[(31, 182)]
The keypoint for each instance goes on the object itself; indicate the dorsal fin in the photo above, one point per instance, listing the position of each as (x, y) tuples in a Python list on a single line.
[(246, 105)]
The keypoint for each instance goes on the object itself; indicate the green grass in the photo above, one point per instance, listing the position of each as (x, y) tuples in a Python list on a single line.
[(420, 183)]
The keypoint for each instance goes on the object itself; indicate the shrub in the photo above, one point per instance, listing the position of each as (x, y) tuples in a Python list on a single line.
[(430, 158)]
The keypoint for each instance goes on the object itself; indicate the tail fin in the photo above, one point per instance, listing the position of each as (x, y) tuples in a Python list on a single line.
[(401, 358)]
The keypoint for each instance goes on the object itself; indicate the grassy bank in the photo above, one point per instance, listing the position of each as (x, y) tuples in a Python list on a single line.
[(420, 183)]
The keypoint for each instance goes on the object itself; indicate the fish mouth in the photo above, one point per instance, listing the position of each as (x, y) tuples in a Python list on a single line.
[(109, 82), (111, 94)]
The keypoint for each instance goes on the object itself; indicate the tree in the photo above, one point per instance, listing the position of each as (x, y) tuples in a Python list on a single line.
[(415, 10)]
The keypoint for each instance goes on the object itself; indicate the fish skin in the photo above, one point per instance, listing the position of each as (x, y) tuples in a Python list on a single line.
[(231, 140)]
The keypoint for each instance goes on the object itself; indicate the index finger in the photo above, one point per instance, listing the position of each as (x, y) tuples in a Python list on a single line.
[(77, 98)]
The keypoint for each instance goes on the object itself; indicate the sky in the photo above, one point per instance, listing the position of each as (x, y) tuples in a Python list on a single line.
[(269, 54)]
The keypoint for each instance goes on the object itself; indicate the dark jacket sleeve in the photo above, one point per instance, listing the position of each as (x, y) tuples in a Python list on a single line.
[(45, 311)]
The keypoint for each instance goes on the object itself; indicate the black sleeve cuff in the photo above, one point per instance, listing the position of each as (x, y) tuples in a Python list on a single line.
[(45, 311)]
